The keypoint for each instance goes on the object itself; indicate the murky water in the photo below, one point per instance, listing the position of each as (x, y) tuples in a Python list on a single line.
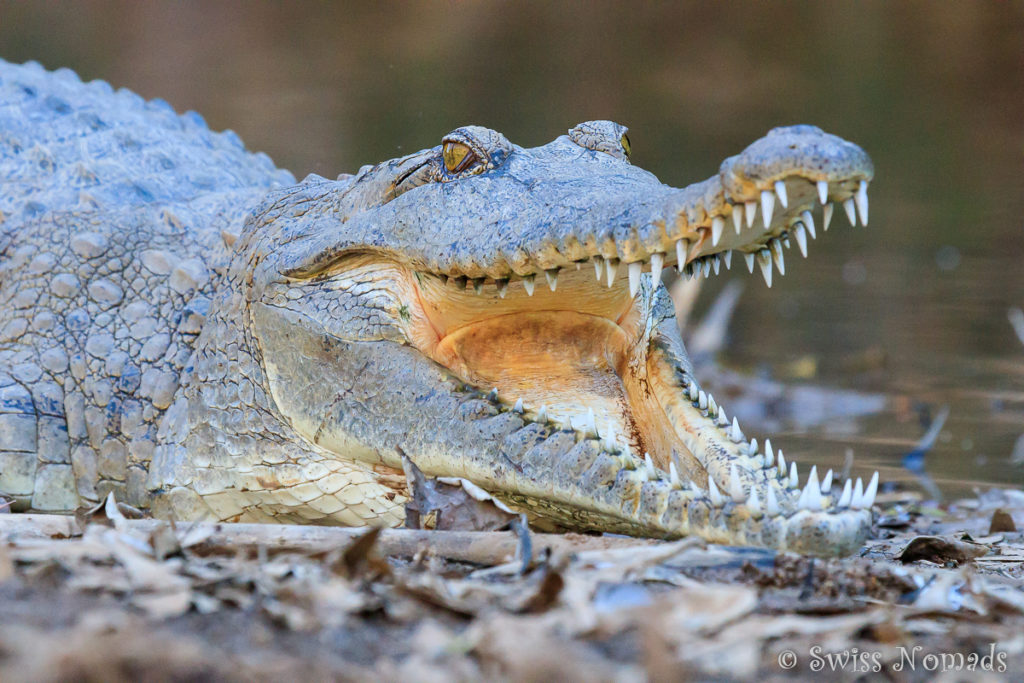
[(911, 309)]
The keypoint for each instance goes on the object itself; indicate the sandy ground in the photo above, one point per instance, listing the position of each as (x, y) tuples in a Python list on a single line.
[(102, 597)]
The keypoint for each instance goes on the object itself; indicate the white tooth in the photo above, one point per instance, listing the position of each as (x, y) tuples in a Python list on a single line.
[(780, 262), (723, 420), (649, 466), (727, 257), (492, 395), (794, 476), (635, 270), (611, 268), (717, 228), (749, 258), (502, 286), (823, 191), (702, 401), (737, 218), (851, 211), (712, 406), (754, 503), (780, 191), (808, 220), (771, 503), (577, 265), (681, 248), (673, 476), (764, 259), (862, 202), (657, 263), (769, 454), (782, 465), (826, 483), (753, 447), (705, 267), (735, 487), (609, 436), (811, 495), (736, 435), (767, 206), (478, 286), (870, 491), (858, 494), (750, 210), (826, 216), (846, 496), (813, 476), (692, 391), (542, 414), (598, 267), (716, 263), (528, 284), (713, 494), (591, 425), (552, 278), (518, 408), (801, 239)]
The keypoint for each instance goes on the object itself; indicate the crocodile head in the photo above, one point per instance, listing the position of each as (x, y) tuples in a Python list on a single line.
[(494, 313)]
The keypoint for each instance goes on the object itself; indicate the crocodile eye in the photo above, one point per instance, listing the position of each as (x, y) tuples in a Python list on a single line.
[(457, 156), (602, 136), (625, 144)]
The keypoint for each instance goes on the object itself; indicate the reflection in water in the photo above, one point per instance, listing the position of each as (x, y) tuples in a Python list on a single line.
[(912, 308)]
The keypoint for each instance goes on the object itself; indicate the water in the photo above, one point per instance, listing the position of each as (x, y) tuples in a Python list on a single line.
[(912, 309)]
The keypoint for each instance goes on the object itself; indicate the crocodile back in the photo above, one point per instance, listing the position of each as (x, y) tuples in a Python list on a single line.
[(113, 212)]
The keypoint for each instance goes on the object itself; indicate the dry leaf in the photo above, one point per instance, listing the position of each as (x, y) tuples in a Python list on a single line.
[(941, 550)]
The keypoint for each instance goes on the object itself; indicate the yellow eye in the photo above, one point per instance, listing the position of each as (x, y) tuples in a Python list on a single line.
[(457, 156), (625, 144)]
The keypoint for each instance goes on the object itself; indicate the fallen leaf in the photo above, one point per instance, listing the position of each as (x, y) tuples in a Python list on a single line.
[(451, 504), (941, 550)]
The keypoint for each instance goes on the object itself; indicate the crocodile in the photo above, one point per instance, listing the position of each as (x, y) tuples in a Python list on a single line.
[(187, 327)]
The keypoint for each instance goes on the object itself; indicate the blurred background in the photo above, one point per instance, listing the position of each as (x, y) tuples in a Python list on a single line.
[(911, 311)]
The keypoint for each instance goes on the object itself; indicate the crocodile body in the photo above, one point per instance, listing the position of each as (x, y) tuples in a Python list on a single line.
[(186, 326)]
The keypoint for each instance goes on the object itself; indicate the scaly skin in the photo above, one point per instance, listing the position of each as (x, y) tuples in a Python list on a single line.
[(183, 325)]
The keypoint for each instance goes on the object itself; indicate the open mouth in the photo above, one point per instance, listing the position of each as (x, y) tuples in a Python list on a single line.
[(583, 345)]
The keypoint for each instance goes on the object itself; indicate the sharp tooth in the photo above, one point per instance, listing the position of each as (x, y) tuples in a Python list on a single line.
[(518, 408), (609, 437), (769, 454), (692, 391), (702, 401), (794, 476), (808, 220), (716, 263), (767, 206), (705, 267), (811, 495), (869, 493), (713, 494), (823, 191), (649, 466), (502, 286), (443, 279), (478, 285), (492, 395), (723, 420), (764, 259), (598, 267), (717, 228), (813, 476), (753, 447), (750, 210), (577, 265), (771, 503), (737, 218), (858, 493), (591, 425), (552, 278), (780, 192), (846, 496), (801, 239), (862, 202), (727, 257), (735, 487), (749, 258), (459, 282), (682, 246), (826, 216), (736, 435), (826, 483), (657, 263), (673, 476), (712, 406), (611, 268), (785, 240), (851, 211), (635, 270), (780, 262), (528, 284), (542, 414)]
